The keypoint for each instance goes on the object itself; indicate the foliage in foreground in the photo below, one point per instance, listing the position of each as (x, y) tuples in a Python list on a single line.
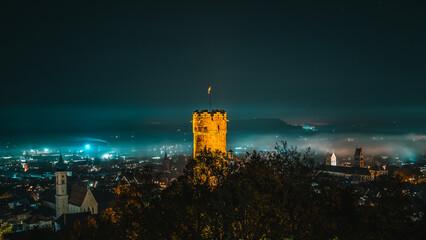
[(5, 227), (272, 195)]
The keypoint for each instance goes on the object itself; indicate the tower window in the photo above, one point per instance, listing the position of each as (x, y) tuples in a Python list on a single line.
[(63, 181)]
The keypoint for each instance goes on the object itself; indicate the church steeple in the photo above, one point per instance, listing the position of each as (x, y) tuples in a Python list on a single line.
[(166, 161), (61, 188), (60, 166)]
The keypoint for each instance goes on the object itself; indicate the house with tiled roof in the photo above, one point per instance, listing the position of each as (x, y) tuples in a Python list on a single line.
[(82, 200)]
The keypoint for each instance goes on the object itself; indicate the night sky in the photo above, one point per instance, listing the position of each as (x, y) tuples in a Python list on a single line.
[(84, 64)]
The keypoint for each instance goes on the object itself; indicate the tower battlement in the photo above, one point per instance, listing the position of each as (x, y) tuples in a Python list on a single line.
[(214, 113), (209, 130)]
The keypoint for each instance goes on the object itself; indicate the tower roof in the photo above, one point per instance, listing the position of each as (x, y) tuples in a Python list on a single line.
[(77, 195), (60, 166), (358, 151)]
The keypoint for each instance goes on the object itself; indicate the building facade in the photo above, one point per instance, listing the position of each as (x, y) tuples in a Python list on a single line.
[(354, 174)]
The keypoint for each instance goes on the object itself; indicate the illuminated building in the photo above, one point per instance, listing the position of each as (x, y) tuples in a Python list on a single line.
[(330, 159), (333, 160), (376, 173), (230, 154), (358, 158), (209, 130)]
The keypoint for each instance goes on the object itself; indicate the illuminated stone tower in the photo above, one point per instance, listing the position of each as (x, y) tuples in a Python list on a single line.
[(61, 196), (209, 130)]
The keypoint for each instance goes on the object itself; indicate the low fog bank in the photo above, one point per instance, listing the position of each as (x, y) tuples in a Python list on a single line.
[(406, 146)]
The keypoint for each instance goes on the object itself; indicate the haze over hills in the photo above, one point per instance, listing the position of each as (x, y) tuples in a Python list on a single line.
[(259, 133)]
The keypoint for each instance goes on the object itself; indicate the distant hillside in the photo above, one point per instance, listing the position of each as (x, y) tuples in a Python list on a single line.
[(266, 125)]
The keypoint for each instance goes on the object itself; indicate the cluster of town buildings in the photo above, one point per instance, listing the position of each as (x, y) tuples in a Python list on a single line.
[(54, 194)]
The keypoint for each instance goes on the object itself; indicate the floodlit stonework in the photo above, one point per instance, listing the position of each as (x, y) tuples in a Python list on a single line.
[(209, 130)]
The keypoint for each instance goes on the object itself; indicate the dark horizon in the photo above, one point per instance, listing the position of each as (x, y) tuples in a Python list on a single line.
[(339, 62)]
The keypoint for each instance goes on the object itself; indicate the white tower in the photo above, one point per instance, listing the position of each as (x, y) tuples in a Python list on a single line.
[(333, 160), (61, 189), (330, 159)]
